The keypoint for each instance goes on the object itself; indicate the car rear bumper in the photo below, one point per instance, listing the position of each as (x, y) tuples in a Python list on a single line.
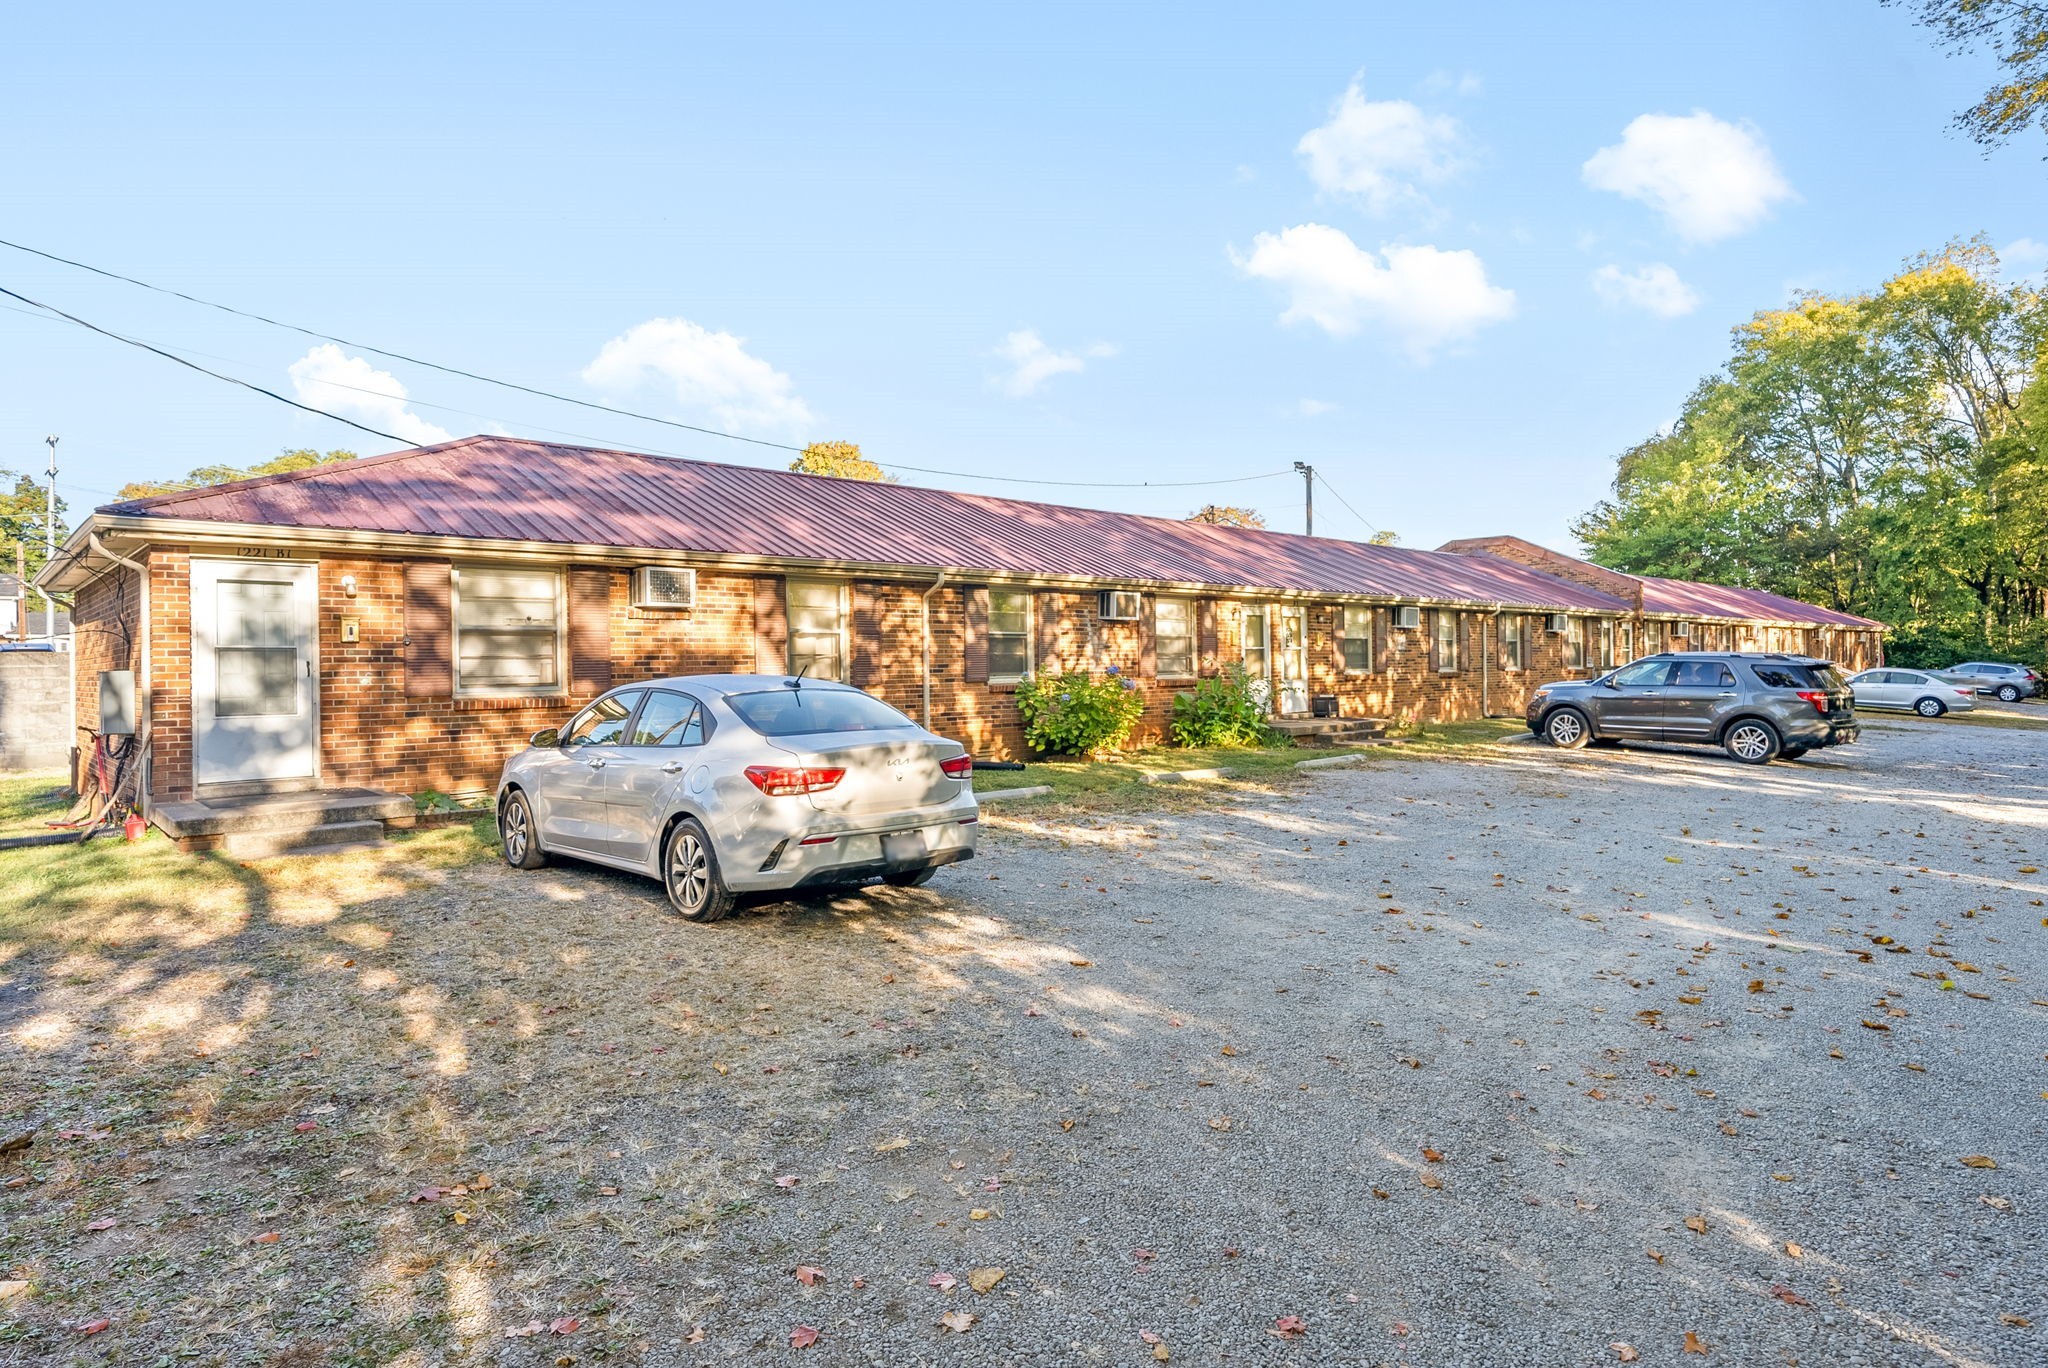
[(946, 837)]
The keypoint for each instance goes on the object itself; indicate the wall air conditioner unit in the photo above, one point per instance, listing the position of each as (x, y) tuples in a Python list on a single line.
[(1409, 618), (1554, 622), (1682, 629), (664, 586), (1122, 605)]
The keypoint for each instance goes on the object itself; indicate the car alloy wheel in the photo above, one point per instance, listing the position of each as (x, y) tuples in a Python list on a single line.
[(1566, 729), (689, 872), (2008, 693), (1929, 707), (516, 834), (1751, 742)]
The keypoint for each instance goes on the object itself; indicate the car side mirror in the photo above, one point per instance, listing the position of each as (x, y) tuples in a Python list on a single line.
[(1610, 682), (547, 738)]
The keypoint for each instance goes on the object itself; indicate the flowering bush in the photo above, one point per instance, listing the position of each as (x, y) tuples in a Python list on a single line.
[(1229, 710), (1077, 714)]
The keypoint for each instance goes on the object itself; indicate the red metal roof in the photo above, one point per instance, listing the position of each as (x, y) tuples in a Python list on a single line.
[(506, 488), (1715, 600)]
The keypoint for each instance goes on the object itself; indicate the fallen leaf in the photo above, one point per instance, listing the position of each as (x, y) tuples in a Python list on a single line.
[(944, 1281), (1876, 1026), (1788, 1296), (607, 1192), (1696, 1224), (1694, 1344), (1220, 1123), (1082, 964), (459, 1217), (305, 1126), (1434, 1156), (1655, 1256), (1794, 1250), (803, 1337), (696, 1335), (2008, 1318), (565, 1325), (1381, 1193), (787, 1180), (1288, 1327), (526, 1331), (1983, 1161), (481, 1183), (1625, 1353), (267, 1237), (103, 1223), (1161, 1354), (1230, 1050), (959, 1322), (980, 1214), (984, 1280), (809, 1276), (1430, 1181), (94, 1327), (430, 1194), (1996, 1203), (10, 1288), (900, 1142)]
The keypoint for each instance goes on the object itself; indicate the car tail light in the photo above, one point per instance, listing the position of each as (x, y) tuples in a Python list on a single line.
[(1817, 697), (959, 767), (779, 781)]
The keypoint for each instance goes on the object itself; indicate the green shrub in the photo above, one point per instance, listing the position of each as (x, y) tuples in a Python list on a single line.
[(1229, 710), (1077, 714)]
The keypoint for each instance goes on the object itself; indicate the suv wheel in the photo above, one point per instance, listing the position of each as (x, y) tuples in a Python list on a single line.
[(1930, 707), (2008, 693), (1750, 741), (1566, 729)]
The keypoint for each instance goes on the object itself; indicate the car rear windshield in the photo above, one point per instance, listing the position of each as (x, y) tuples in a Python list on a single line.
[(802, 712), (1779, 676)]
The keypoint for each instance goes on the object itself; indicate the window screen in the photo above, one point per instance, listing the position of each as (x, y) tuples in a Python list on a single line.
[(1009, 635), (507, 630), (1173, 636)]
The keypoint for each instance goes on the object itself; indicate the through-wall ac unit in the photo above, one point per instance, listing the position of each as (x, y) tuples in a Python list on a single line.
[(1122, 605), (664, 586), (1683, 629), (1410, 618), (1554, 622)]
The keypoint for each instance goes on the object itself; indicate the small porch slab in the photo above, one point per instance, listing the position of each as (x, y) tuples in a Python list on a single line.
[(253, 826), (1331, 731)]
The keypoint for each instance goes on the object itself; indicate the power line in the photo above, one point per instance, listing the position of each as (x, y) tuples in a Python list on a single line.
[(1346, 502)]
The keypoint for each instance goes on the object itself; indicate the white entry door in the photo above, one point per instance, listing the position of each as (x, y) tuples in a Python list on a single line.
[(1291, 646), (254, 704)]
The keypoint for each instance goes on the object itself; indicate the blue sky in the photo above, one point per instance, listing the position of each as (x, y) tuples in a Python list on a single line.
[(1181, 243)]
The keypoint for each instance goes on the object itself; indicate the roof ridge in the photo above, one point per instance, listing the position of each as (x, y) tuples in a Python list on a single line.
[(289, 476)]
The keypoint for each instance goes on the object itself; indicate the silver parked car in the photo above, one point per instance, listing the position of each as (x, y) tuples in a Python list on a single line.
[(720, 785), (1918, 691), (2008, 683)]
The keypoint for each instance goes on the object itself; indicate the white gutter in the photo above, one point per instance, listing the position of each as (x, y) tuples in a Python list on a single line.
[(924, 608)]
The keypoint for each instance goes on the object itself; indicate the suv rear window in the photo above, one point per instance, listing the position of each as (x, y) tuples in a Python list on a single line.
[(803, 712), (1800, 677)]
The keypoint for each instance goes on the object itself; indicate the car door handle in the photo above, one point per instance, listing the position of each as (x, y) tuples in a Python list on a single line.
[(1724, 695), (595, 764), (672, 767)]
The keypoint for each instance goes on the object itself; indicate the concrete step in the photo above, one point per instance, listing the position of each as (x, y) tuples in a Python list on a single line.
[(1331, 731), (325, 839), (280, 812)]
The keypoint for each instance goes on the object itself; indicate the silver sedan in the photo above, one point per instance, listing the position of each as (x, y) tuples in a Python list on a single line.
[(1920, 691), (720, 785)]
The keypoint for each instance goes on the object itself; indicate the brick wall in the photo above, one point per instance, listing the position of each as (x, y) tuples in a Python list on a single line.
[(107, 617)]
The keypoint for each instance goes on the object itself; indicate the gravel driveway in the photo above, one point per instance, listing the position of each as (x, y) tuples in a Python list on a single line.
[(1702, 1049), (1531, 1058)]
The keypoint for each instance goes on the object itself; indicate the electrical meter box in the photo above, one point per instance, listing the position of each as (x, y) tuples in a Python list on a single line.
[(117, 702)]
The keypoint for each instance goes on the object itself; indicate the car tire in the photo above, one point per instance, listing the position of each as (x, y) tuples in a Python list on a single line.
[(1751, 741), (1567, 729), (519, 834), (1930, 707), (689, 871), (2008, 693), (910, 878)]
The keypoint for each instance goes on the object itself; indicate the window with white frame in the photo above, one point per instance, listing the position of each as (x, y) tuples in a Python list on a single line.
[(1575, 643), (508, 630), (1511, 642), (1446, 641), (1173, 637), (1354, 638), (1606, 643), (817, 629), (1009, 635)]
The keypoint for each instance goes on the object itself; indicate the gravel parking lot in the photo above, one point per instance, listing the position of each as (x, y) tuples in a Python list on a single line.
[(1534, 1057)]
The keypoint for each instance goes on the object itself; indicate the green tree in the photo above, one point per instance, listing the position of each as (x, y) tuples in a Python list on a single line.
[(1227, 515), (23, 511), (840, 459), (1384, 538), (2016, 32), (295, 458)]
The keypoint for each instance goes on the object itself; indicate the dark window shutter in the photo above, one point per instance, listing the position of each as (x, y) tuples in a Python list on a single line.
[(590, 631), (1206, 648), (974, 647), (865, 667), (771, 627), (429, 633), (1383, 638), (1045, 626), (1148, 637)]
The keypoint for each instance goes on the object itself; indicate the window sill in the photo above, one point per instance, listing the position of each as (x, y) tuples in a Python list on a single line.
[(490, 702)]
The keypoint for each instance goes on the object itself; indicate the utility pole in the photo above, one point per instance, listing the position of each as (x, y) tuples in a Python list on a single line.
[(50, 540), (20, 590), (1308, 498)]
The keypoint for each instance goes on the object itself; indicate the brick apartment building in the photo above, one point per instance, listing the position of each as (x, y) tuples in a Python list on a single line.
[(406, 621)]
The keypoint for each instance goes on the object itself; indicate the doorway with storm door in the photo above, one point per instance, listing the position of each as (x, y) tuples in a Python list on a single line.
[(255, 701), (1290, 650)]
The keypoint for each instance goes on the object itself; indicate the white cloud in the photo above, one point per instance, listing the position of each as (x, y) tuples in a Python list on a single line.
[(1709, 179), (1423, 297), (1032, 363), (1314, 408), (1441, 82), (1655, 289), (2024, 256), (327, 377), (1379, 150), (704, 370)]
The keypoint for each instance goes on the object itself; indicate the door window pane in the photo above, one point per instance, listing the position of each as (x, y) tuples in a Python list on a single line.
[(668, 719), (257, 658), (507, 630), (1255, 641), (817, 629), (603, 722), (1649, 674), (1701, 674), (1173, 635), (1009, 635)]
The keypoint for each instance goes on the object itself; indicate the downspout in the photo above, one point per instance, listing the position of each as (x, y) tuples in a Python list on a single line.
[(924, 608), (1486, 662)]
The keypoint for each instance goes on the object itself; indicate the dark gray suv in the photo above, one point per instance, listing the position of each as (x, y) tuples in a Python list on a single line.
[(1756, 706)]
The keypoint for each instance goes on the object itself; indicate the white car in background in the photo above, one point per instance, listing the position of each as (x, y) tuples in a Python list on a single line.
[(720, 785), (1918, 691)]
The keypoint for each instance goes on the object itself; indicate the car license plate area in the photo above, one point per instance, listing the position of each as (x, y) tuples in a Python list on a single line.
[(904, 847)]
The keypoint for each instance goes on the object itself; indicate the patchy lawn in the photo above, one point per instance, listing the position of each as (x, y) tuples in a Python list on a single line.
[(29, 800)]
